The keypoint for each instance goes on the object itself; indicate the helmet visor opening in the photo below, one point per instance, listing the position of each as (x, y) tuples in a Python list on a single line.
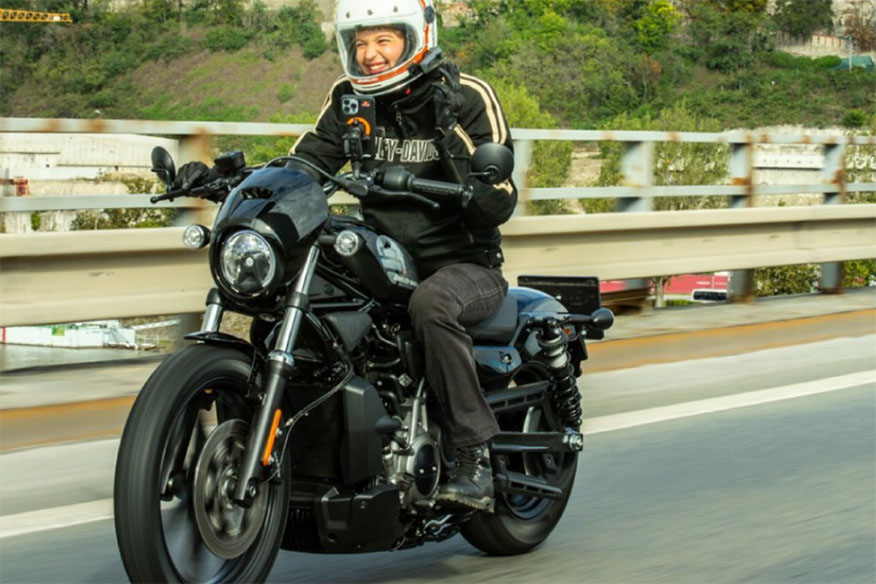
[(360, 49)]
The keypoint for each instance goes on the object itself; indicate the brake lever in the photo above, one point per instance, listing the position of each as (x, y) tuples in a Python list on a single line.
[(425, 200), (203, 192), (355, 188)]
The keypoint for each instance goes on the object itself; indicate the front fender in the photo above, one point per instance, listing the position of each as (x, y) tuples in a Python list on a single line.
[(225, 340)]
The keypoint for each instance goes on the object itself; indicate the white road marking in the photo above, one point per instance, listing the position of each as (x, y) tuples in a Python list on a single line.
[(729, 402), (70, 515), (55, 518)]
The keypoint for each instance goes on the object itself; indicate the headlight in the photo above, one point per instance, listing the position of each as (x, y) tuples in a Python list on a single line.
[(247, 262)]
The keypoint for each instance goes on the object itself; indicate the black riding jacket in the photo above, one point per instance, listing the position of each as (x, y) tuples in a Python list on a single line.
[(405, 135)]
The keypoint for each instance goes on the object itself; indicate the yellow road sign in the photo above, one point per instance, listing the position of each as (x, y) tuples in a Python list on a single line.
[(33, 16)]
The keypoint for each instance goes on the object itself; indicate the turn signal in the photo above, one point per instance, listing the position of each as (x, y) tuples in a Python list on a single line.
[(196, 237)]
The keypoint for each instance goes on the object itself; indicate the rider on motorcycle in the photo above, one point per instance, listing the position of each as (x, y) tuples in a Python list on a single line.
[(430, 119)]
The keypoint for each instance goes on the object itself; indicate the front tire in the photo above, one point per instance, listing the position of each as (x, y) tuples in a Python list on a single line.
[(184, 433), (521, 523)]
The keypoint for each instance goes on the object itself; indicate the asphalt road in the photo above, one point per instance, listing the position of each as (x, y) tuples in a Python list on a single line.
[(779, 491)]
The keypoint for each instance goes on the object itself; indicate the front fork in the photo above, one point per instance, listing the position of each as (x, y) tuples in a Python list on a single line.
[(278, 370)]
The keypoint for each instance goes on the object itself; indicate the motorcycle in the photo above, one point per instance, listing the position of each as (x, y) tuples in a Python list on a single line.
[(319, 434)]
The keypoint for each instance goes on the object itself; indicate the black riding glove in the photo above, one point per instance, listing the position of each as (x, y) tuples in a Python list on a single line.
[(448, 99), (194, 174)]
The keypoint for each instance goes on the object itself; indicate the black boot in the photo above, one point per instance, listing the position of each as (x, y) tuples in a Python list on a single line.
[(471, 486)]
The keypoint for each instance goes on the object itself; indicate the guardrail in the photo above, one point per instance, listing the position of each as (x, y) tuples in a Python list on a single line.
[(62, 277)]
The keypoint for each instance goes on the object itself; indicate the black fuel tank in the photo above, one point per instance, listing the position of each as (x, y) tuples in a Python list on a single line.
[(383, 266)]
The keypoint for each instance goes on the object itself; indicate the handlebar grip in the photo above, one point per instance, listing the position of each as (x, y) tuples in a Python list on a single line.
[(168, 196), (434, 187)]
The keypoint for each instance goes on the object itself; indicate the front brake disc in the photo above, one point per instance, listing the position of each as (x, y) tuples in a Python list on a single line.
[(227, 529)]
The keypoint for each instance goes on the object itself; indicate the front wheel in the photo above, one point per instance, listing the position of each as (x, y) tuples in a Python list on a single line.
[(176, 470), (520, 523)]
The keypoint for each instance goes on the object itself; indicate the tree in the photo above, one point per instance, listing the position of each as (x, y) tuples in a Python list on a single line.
[(804, 17), (675, 163), (859, 22), (550, 160), (726, 39), (726, 6), (655, 24)]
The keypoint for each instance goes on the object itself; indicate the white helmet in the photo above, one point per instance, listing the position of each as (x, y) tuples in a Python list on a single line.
[(415, 19)]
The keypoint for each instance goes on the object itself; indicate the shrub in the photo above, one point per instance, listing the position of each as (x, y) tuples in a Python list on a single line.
[(169, 47), (781, 280), (224, 38), (286, 93), (859, 273), (827, 62), (854, 119), (105, 98)]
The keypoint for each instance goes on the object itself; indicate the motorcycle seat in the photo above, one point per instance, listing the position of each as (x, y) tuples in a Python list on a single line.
[(498, 328)]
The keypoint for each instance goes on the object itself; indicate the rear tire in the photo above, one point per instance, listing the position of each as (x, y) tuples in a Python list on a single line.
[(521, 523), (195, 391)]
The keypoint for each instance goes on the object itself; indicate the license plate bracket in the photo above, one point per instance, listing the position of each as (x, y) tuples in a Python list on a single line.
[(579, 294)]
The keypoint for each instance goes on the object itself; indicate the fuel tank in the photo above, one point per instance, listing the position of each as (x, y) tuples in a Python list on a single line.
[(383, 266)]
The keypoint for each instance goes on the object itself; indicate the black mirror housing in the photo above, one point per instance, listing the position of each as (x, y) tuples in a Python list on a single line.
[(162, 165), (492, 163)]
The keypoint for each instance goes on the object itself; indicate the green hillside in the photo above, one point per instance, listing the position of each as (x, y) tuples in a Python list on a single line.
[(575, 64)]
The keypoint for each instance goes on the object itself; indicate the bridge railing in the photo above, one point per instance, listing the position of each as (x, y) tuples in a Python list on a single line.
[(61, 277)]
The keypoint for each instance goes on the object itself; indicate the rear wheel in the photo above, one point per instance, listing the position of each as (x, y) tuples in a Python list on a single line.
[(176, 471), (521, 522)]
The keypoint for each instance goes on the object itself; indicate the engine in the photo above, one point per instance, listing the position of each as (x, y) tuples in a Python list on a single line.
[(413, 456)]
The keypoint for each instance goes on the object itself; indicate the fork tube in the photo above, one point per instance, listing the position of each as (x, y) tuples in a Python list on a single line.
[(278, 369), (213, 315), (295, 312)]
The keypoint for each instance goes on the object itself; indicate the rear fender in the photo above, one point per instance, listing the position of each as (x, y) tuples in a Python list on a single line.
[(534, 301)]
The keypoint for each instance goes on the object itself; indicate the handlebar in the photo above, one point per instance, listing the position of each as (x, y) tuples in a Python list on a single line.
[(397, 178), (169, 196), (214, 191)]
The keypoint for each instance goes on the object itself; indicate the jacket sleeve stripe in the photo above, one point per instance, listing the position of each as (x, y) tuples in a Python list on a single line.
[(325, 107), (500, 132), (466, 139)]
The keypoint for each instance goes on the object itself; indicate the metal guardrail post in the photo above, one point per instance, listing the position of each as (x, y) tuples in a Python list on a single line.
[(833, 172), (741, 169), (637, 169), (522, 161)]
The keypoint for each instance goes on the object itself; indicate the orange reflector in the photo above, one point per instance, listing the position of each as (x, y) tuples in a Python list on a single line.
[(269, 447)]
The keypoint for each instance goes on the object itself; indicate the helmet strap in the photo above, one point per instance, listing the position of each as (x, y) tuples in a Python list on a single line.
[(430, 62)]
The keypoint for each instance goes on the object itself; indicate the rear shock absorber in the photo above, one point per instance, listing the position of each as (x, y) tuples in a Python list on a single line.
[(565, 396)]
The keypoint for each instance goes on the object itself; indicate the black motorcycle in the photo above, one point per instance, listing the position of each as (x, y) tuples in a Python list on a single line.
[(319, 433)]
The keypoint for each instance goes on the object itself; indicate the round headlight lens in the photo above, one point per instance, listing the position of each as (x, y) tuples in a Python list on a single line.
[(248, 262)]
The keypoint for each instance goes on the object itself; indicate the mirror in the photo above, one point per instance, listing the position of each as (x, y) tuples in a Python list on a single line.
[(162, 165), (492, 163)]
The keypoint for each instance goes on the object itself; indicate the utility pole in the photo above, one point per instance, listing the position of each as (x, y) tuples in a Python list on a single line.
[(851, 40)]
